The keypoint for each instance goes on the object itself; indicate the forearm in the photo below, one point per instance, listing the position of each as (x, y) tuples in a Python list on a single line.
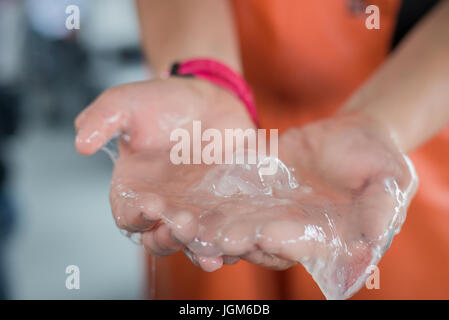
[(409, 95), (177, 29)]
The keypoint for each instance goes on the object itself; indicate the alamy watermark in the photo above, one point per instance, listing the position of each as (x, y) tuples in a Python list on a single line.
[(373, 280), (238, 146), (73, 279), (373, 20), (72, 21)]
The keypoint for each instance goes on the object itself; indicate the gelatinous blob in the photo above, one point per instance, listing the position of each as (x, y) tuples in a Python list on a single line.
[(339, 195)]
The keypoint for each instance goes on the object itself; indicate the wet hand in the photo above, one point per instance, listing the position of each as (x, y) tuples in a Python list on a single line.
[(144, 114)]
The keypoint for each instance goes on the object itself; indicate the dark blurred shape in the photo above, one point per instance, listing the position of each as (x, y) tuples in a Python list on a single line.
[(9, 111), (11, 32), (356, 6), (410, 13), (9, 119), (6, 226), (56, 78)]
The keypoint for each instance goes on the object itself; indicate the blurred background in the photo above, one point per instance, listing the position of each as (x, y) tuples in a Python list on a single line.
[(54, 209)]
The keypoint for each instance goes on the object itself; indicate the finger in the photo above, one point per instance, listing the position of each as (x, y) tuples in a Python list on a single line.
[(134, 210), (291, 239), (230, 259), (98, 123), (238, 238), (269, 261), (183, 224), (210, 264), (160, 242)]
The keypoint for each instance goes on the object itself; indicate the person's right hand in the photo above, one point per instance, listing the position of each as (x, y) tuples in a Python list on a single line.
[(145, 114)]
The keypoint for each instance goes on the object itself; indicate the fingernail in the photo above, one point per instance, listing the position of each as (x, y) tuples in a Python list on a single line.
[(134, 228), (147, 219)]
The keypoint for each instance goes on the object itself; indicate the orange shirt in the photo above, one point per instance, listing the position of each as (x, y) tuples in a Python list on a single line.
[(303, 59)]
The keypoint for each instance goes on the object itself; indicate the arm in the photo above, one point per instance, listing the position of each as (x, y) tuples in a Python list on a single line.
[(175, 30), (410, 94)]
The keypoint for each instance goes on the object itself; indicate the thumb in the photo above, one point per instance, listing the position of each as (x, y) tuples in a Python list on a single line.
[(98, 123)]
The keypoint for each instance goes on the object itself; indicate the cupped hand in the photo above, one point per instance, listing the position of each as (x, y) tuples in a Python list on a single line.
[(339, 196)]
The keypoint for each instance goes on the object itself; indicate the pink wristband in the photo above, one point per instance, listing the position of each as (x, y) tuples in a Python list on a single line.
[(222, 76)]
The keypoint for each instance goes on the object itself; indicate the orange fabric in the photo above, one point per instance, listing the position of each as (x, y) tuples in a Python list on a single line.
[(303, 60)]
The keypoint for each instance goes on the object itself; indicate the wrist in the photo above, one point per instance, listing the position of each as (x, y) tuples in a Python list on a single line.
[(214, 106), (222, 76), (377, 122)]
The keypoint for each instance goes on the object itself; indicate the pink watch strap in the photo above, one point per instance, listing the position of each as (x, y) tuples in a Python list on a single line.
[(221, 75)]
